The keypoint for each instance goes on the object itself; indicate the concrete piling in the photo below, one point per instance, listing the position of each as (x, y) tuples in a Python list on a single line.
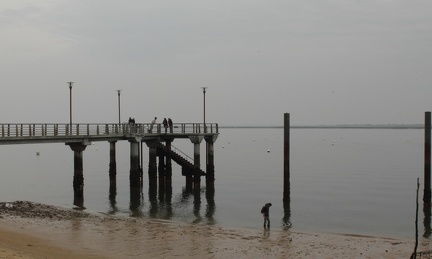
[(134, 173), (168, 165), (210, 169), (189, 178), (112, 163), (78, 178), (161, 172), (196, 140), (152, 166), (196, 173)]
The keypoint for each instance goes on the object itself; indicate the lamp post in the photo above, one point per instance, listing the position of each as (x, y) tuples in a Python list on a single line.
[(70, 105), (205, 129), (204, 92), (118, 92)]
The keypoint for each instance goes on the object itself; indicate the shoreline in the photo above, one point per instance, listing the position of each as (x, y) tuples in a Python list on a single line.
[(32, 230)]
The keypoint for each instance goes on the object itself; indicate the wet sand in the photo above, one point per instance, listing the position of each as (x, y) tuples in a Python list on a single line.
[(30, 230)]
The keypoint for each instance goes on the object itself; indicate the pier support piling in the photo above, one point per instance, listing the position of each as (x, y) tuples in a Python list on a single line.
[(134, 173), (189, 178), (78, 178), (113, 163), (141, 165), (168, 165), (152, 166), (161, 171), (210, 169), (196, 140), (196, 173)]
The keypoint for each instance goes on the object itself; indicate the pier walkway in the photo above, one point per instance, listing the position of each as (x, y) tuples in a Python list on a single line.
[(157, 138), (31, 133)]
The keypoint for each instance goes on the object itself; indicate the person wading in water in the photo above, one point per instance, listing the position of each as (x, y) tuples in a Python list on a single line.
[(265, 213)]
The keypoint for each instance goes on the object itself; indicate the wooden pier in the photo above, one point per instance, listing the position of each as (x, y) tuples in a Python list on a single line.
[(157, 138)]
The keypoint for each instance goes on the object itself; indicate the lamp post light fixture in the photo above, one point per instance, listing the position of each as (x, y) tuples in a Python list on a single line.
[(70, 106), (118, 92), (204, 92)]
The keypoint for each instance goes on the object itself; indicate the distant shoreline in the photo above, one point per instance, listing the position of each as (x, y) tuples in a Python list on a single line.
[(342, 126)]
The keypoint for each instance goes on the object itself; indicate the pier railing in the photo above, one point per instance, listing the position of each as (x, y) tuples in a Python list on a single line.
[(30, 130)]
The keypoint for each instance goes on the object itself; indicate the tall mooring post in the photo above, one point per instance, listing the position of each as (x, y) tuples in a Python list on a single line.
[(286, 192), (134, 173), (78, 178), (427, 162)]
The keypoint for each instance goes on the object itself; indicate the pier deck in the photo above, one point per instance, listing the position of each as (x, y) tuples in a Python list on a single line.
[(29, 133)]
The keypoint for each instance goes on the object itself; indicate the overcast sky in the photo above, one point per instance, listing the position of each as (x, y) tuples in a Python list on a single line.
[(322, 61)]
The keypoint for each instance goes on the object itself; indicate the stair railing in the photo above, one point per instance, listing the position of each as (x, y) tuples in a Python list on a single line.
[(188, 158)]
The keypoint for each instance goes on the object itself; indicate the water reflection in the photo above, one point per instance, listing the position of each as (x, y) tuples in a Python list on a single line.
[(427, 220), (286, 220), (79, 202), (136, 202), (211, 206), (162, 205), (153, 210), (112, 199), (162, 192), (197, 207)]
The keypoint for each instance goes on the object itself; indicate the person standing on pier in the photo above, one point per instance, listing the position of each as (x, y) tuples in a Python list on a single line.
[(265, 213), (165, 123), (152, 124), (170, 124), (131, 125)]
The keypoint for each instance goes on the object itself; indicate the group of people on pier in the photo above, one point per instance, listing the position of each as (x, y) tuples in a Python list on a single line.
[(166, 123)]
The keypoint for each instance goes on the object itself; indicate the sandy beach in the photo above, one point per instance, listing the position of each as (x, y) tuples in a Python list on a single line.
[(29, 230)]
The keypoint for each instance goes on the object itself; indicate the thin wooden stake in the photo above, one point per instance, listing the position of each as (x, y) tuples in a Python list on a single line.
[(414, 255)]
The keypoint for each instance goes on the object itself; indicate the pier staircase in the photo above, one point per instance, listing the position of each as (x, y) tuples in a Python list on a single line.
[(188, 168)]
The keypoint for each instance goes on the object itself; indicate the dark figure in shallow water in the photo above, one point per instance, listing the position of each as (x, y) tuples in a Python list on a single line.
[(265, 213)]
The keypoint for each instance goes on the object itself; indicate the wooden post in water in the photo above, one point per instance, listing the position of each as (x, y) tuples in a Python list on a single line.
[(286, 192), (427, 162)]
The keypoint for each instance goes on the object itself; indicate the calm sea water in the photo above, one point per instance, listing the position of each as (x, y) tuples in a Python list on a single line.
[(359, 181)]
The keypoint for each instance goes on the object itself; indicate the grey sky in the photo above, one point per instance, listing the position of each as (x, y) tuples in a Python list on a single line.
[(323, 61)]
